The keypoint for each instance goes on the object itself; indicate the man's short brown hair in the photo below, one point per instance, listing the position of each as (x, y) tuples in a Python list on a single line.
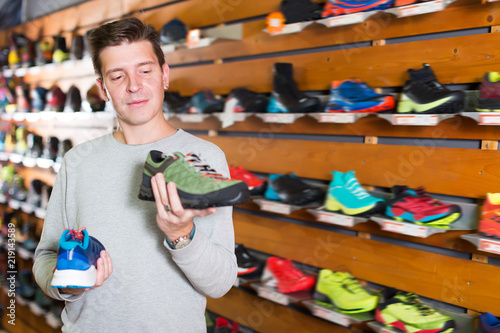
[(119, 32)]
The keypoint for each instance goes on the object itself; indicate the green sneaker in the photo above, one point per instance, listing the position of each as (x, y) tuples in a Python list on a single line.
[(198, 185), (406, 312), (344, 292)]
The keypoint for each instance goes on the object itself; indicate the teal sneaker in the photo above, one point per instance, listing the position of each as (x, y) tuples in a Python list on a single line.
[(345, 194), (199, 186), (406, 312), (343, 291)]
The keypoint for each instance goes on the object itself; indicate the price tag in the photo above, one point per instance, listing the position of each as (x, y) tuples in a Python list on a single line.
[(16, 158), (273, 296), (3, 199), (337, 21), (193, 37), (422, 8), (489, 119), (330, 315), (44, 163), (192, 118), (282, 118), (40, 213), (34, 70), (14, 204), (487, 245), (7, 116), (404, 228), (416, 120), (32, 117), (336, 118), (18, 116), (66, 116), (275, 207), (20, 72), (27, 208), (47, 115), (29, 162), (4, 156), (338, 219)]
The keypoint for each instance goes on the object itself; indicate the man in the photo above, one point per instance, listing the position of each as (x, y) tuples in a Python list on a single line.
[(149, 285)]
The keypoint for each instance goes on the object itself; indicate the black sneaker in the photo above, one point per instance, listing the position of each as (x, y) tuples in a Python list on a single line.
[(18, 191), (35, 145), (286, 96), (205, 102), (38, 99), (175, 103), (247, 264), (292, 190), (51, 148), (422, 93), (300, 10), (174, 31), (73, 100), (64, 147), (76, 48), (247, 101), (35, 193)]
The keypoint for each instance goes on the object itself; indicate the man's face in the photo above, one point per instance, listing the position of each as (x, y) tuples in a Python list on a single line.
[(134, 81)]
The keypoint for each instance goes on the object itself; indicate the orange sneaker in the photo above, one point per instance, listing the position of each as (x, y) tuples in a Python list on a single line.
[(489, 225)]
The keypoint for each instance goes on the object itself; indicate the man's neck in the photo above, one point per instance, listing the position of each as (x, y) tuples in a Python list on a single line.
[(147, 133)]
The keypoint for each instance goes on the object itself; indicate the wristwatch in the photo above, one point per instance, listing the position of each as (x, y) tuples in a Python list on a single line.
[(181, 242)]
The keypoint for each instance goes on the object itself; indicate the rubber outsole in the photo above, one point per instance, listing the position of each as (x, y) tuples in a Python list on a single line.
[(325, 299), (72, 278)]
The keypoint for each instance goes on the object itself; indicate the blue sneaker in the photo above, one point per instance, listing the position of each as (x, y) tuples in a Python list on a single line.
[(488, 323), (345, 194), (339, 7), (356, 96), (205, 102), (76, 260)]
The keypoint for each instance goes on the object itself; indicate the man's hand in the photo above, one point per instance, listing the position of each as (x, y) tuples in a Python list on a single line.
[(172, 218), (104, 270)]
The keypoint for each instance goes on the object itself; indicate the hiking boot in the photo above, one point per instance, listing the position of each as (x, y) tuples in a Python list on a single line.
[(198, 185)]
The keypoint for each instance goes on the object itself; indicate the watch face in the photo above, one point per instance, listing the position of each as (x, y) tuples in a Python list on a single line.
[(182, 243)]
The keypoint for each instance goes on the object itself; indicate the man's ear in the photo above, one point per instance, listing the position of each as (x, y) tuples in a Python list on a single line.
[(165, 70), (102, 88)]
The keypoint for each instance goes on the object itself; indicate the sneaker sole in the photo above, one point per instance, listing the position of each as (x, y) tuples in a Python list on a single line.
[(231, 196), (392, 321), (72, 278), (335, 206), (448, 105), (442, 223), (325, 299)]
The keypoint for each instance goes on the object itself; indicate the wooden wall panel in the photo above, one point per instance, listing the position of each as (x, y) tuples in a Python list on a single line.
[(456, 281), (265, 316), (460, 15), (381, 66), (453, 171)]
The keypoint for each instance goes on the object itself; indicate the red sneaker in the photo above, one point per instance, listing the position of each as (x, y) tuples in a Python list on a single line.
[(224, 325), (255, 185), (489, 225), (283, 274)]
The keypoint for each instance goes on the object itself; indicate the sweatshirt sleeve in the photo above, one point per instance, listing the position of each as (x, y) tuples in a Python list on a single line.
[(208, 261), (56, 221)]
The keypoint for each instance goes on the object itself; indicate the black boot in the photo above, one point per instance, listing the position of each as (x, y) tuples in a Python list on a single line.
[(287, 93), (300, 10)]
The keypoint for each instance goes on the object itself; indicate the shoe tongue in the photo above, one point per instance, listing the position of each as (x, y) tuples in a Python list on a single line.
[(424, 74)]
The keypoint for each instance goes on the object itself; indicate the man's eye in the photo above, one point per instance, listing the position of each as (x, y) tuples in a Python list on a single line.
[(115, 78)]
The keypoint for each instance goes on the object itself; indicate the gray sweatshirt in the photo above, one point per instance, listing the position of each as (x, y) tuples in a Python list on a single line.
[(152, 288)]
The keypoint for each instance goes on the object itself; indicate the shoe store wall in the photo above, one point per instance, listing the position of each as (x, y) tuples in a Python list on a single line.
[(451, 154)]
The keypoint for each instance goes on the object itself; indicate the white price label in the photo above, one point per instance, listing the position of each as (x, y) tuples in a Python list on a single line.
[(404, 228), (4, 156), (14, 204), (342, 118), (338, 219), (40, 213), (29, 162), (44, 163), (416, 120), (16, 158), (422, 8), (32, 117), (332, 316), (27, 208), (273, 296), (292, 28), (338, 21), (489, 246), (3, 199), (192, 118), (275, 207), (281, 118), (18, 116), (489, 119)]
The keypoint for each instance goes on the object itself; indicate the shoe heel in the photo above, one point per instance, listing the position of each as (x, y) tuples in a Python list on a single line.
[(321, 297), (268, 278), (332, 204), (72, 278)]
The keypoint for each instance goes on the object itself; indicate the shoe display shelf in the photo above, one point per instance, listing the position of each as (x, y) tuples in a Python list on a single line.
[(323, 215), (272, 294), (30, 162), (327, 312), (278, 207), (196, 38), (483, 243), (348, 19)]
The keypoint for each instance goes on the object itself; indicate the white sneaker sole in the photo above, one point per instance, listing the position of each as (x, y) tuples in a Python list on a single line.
[(72, 278)]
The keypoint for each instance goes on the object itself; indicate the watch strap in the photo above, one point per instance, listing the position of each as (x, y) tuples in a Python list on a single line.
[(173, 243)]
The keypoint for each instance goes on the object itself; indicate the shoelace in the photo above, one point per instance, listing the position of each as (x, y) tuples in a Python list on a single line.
[(421, 307), (204, 169), (77, 235), (356, 189), (351, 284), (426, 198)]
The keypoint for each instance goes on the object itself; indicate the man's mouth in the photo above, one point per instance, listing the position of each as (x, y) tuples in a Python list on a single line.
[(137, 102)]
